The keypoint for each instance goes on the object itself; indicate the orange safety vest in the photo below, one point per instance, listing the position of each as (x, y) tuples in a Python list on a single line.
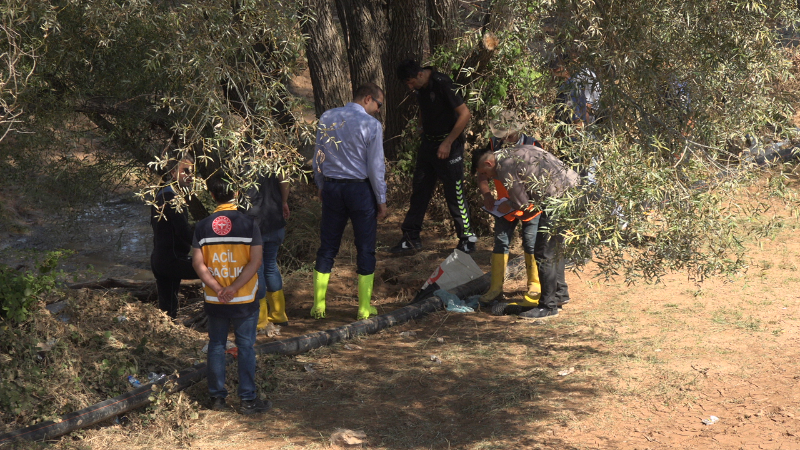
[(502, 192)]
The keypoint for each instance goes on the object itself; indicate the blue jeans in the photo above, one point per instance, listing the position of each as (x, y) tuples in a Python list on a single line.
[(340, 202), (245, 332), (269, 275), (503, 230)]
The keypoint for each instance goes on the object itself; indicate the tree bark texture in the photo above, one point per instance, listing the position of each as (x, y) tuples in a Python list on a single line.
[(365, 28), (443, 21), (324, 51), (407, 35)]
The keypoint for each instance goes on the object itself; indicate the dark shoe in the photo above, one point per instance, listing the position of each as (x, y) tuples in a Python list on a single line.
[(254, 406), (220, 404), (498, 308), (467, 244), (407, 245), (561, 303), (539, 313)]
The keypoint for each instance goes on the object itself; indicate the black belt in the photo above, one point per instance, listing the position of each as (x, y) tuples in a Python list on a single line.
[(345, 180)]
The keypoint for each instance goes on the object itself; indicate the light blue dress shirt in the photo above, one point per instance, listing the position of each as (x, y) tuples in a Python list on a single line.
[(350, 146)]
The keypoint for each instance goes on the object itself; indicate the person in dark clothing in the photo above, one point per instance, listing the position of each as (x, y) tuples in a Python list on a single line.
[(443, 116), (172, 240), (227, 255), (270, 209)]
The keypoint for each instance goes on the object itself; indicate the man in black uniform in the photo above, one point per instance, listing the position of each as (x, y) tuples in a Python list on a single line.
[(443, 116)]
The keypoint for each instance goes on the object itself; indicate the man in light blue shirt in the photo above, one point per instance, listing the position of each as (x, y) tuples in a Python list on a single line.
[(349, 171)]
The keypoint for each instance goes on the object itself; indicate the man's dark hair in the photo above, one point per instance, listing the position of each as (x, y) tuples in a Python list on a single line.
[(558, 60), (220, 188), (175, 158), (366, 89), (408, 69)]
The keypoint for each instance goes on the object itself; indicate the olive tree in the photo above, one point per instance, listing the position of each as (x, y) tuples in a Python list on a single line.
[(687, 86)]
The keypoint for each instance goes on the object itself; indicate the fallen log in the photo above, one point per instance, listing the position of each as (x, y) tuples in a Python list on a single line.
[(293, 346)]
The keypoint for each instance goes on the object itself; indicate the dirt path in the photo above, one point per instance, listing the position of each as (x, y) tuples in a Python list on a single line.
[(636, 367)]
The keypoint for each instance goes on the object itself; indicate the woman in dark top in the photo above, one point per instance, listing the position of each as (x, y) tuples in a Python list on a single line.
[(172, 240), (270, 209)]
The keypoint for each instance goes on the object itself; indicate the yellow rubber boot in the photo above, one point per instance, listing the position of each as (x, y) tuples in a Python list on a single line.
[(531, 297), (320, 288), (262, 313), (365, 308), (499, 263), (277, 308), (534, 287)]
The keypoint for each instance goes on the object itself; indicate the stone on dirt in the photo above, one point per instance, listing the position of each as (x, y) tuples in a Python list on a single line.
[(348, 438)]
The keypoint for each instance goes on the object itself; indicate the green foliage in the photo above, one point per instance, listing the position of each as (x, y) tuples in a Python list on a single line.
[(685, 87), (208, 78), (20, 289), (109, 85)]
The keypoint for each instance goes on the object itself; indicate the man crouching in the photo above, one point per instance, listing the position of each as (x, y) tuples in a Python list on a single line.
[(531, 176)]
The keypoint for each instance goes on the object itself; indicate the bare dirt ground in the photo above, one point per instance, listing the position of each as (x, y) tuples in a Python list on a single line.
[(622, 367)]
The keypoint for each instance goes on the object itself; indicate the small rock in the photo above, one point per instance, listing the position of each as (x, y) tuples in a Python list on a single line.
[(56, 307), (566, 372), (309, 368), (440, 340), (408, 334), (436, 359), (348, 438), (272, 330), (711, 420)]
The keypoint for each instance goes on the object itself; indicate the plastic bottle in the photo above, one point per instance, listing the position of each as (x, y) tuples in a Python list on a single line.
[(153, 377), (133, 381)]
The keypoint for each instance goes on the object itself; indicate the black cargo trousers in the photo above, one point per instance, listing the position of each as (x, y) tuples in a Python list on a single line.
[(428, 169)]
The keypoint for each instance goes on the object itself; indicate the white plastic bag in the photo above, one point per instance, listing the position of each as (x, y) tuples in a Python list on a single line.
[(457, 269)]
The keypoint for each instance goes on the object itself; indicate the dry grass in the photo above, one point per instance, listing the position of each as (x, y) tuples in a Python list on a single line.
[(624, 367)]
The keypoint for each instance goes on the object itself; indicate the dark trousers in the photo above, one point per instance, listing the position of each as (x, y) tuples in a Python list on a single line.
[(340, 202), (169, 272), (549, 254), (429, 168)]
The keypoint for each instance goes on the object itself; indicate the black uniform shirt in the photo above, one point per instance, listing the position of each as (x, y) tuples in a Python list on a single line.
[(172, 235), (437, 105), (267, 205)]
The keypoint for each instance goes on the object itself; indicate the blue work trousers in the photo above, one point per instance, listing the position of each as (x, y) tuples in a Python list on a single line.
[(342, 201), (244, 330)]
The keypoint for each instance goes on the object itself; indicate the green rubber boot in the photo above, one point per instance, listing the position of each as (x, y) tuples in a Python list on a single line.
[(320, 288), (365, 309)]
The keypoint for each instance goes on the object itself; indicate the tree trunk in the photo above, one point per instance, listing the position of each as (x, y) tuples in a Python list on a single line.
[(365, 28), (443, 22), (407, 32), (324, 51)]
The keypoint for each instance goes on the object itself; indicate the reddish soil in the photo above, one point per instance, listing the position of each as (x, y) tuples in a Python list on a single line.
[(623, 367)]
